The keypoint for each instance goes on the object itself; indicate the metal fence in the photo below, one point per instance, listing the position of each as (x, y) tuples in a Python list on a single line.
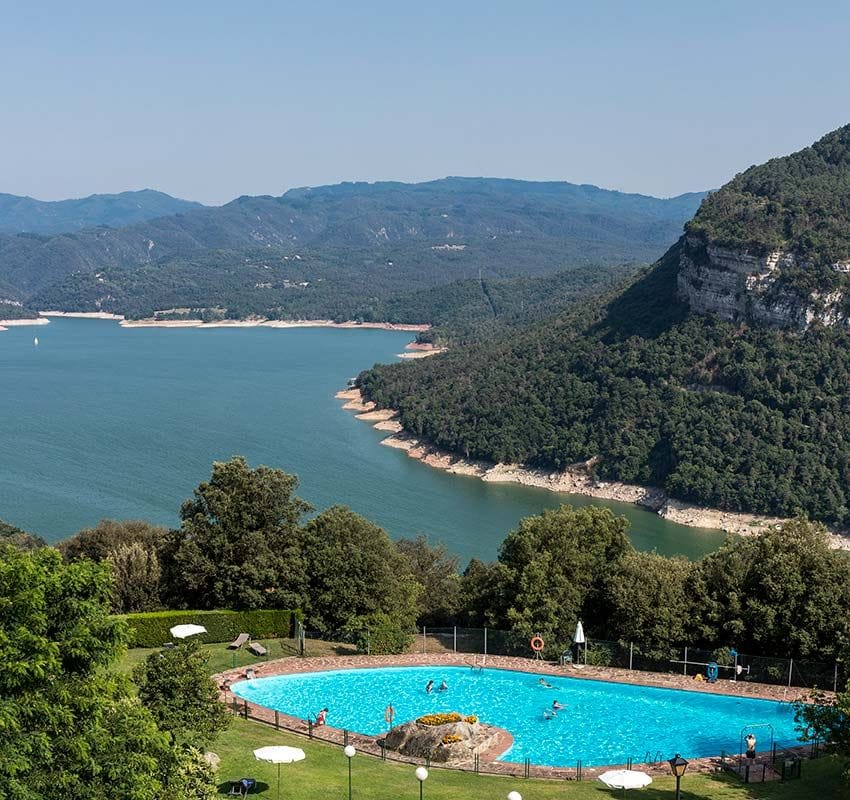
[(685, 660)]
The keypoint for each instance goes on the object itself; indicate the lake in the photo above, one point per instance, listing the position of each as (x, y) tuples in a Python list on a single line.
[(103, 421)]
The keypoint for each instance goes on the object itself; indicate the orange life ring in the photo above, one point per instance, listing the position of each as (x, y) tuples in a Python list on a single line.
[(389, 714), (537, 643)]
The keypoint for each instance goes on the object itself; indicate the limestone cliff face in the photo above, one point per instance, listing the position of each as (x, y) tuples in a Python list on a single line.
[(739, 286)]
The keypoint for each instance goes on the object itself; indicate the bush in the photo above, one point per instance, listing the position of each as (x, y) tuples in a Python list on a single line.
[(152, 629), (440, 719), (381, 634), (450, 738)]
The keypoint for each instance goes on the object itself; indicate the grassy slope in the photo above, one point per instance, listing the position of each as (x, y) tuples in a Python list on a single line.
[(323, 774)]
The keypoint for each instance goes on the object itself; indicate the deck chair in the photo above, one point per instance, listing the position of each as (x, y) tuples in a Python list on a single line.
[(239, 641), (258, 649)]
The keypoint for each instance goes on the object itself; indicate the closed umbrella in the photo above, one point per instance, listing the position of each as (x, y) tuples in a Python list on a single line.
[(182, 631), (279, 754), (625, 779), (579, 640)]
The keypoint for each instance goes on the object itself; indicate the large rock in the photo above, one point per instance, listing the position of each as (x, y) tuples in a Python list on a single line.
[(418, 740)]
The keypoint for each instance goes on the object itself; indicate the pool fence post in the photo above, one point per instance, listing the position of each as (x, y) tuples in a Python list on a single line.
[(685, 665), (246, 709), (631, 653), (485, 642), (790, 668), (276, 720), (455, 639)]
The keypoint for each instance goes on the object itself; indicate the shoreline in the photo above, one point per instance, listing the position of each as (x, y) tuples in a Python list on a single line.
[(261, 322), (573, 480), (5, 324)]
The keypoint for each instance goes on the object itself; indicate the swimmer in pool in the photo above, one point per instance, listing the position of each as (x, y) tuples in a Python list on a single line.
[(430, 687), (544, 683), (444, 687), (556, 706), (548, 713)]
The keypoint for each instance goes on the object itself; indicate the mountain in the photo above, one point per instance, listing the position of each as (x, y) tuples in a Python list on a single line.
[(26, 215), (501, 227), (679, 379)]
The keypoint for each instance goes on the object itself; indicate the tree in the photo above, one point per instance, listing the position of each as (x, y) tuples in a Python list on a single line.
[(353, 572), (436, 571), (555, 565), (131, 548), (9, 534), (784, 592), (136, 576), (647, 600), (175, 686), (238, 544), (70, 727)]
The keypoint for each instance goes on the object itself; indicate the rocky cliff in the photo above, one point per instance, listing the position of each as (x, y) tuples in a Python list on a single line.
[(739, 286)]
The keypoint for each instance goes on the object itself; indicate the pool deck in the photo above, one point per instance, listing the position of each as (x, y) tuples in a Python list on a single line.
[(488, 762)]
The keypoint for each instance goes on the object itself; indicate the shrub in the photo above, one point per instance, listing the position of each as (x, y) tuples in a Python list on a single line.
[(440, 719), (450, 738), (152, 629), (471, 719)]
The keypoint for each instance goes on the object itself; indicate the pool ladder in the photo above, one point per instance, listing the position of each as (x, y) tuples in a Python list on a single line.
[(649, 759)]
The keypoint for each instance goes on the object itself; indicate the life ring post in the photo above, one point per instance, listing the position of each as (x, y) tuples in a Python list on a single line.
[(537, 644)]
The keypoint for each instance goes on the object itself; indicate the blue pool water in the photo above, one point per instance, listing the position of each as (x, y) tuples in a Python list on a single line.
[(605, 723)]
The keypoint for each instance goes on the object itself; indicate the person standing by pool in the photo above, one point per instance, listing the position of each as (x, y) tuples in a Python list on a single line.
[(430, 687)]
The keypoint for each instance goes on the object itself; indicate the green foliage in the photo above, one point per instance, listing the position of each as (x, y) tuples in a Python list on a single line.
[(175, 686), (190, 776), (783, 592), (354, 572), (555, 565), (796, 203), (152, 629), (436, 572), (238, 544), (71, 728), (382, 634), (9, 534), (736, 418), (647, 600), (131, 549)]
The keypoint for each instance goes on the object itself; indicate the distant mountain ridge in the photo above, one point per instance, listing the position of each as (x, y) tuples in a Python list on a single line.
[(28, 215), (547, 224)]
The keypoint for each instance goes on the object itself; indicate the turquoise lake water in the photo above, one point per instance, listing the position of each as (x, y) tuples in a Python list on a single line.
[(603, 723), (102, 421)]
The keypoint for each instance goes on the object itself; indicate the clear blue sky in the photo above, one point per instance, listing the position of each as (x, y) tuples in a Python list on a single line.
[(209, 100)]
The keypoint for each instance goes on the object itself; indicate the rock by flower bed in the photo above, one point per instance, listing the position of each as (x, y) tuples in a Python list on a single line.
[(445, 738)]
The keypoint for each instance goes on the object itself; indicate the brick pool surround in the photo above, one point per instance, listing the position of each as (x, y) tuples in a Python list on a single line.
[(488, 758)]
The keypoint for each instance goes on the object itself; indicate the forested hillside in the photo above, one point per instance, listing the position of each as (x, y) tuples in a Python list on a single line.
[(27, 215), (455, 226), (721, 413)]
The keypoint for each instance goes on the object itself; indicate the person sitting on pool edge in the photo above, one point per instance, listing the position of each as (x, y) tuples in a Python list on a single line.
[(545, 684), (556, 706), (430, 687), (444, 687), (322, 717)]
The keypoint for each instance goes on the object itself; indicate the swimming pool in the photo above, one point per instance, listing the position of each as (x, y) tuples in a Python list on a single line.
[(605, 723)]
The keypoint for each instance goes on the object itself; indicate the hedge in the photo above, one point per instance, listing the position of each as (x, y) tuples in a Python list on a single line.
[(152, 629)]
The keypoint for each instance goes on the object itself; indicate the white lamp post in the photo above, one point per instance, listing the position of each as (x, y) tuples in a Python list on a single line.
[(350, 752), (421, 776)]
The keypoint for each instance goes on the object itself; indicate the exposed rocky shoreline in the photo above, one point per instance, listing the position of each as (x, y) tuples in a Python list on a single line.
[(576, 479)]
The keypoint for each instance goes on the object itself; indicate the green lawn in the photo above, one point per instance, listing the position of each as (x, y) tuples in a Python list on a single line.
[(323, 775), (220, 657)]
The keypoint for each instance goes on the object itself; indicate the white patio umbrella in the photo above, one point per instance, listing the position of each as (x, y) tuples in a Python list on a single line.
[(279, 754), (182, 631), (578, 636), (625, 779)]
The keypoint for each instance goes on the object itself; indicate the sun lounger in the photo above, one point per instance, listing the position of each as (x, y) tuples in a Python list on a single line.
[(257, 649), (239, 641)]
